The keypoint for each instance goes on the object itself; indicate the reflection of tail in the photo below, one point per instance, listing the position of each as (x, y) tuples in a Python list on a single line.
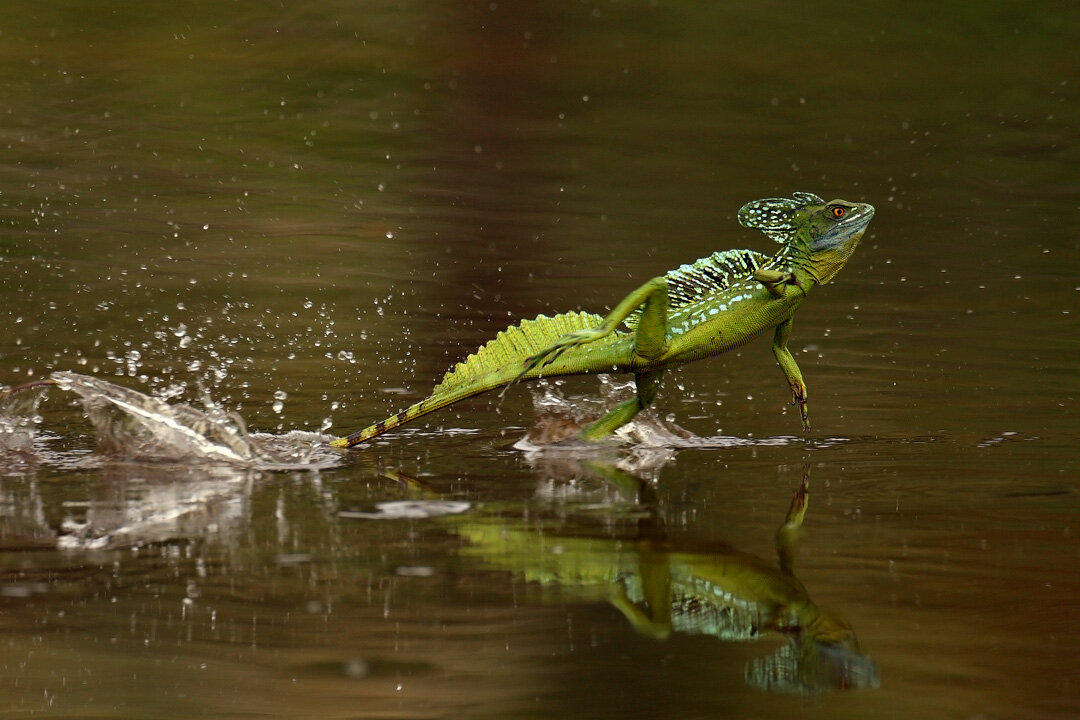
[(493, 365)]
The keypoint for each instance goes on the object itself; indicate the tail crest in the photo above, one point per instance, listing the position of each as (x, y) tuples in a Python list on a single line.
[(512, 347), (495, 363)]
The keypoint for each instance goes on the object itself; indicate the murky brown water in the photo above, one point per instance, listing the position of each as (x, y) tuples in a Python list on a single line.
[(311, 212)]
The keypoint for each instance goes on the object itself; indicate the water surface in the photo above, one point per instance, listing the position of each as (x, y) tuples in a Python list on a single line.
[(304, 215)]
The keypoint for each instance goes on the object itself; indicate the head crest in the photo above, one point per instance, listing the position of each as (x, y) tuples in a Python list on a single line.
[(774, 216)]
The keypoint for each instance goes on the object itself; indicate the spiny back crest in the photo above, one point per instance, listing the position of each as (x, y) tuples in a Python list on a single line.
[(513, 346), (689, 283), (775, 216)]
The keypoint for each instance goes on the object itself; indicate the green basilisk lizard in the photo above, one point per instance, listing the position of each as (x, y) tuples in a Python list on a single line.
[(698, 310)]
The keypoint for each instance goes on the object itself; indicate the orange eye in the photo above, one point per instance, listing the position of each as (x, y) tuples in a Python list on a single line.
[(838, 212)]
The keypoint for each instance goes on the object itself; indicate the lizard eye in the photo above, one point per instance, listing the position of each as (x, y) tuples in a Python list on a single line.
[(838, 212)]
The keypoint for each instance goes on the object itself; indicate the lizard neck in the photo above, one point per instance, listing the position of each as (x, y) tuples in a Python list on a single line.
[(819, 260), (792, 259)]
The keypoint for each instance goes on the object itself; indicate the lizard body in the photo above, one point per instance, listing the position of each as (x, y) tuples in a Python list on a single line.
[(695, 311)]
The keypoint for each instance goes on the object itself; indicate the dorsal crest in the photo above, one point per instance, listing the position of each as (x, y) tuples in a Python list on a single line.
[(691, 282), (775, 216)]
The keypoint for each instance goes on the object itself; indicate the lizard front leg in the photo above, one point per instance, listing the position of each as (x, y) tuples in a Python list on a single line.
[(791, 369), (774, 281)]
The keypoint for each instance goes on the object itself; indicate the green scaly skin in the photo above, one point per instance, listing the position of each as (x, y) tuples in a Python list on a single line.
[(677, 318)]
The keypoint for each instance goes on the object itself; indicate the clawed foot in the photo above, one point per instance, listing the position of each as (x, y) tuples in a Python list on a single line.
[(800, 400)]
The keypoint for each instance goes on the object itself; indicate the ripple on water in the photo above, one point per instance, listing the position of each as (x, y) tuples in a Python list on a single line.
[(409, 510)]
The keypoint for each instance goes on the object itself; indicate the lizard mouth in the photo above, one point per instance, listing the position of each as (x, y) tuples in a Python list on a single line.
[(857, 219)]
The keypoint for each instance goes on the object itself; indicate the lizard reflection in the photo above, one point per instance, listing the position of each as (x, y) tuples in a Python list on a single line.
[(663, 586)]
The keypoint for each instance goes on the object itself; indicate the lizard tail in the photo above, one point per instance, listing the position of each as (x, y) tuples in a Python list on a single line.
[(411, 413), (495, 364)]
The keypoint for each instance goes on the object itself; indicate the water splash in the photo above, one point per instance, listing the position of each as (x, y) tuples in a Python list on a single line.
[(558, 419), (297, 450), (19, 418), (133, 426)]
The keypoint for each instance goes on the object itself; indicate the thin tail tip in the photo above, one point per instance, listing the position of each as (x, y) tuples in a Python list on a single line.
[(340, 443)]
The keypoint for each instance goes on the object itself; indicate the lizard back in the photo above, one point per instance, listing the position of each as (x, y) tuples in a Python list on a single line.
[(694, 281)]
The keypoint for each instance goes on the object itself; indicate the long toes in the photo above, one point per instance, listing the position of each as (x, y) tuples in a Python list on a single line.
[(554, 356)]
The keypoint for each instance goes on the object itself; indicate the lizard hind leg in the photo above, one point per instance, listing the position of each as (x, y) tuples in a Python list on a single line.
[(647, 385), (650, 342), (650, 331)]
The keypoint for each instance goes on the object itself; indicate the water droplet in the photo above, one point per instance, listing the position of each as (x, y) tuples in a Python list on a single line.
[(356, 668), (279, 400)]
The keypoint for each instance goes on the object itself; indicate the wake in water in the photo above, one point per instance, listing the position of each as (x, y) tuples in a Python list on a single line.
[(134, 426), (649, 438), (558, 418), (130, 425)]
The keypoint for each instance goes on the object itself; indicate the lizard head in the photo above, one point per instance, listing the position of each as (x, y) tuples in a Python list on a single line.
[(822, 234)]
